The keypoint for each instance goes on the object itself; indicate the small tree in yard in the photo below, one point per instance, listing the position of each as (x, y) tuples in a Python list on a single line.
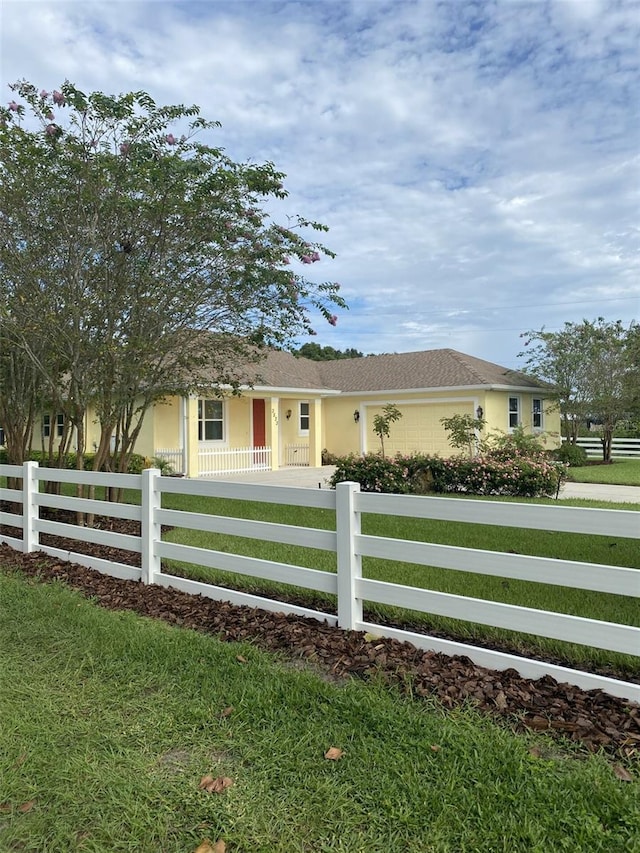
[(382, 423), (463, 432), (137, 261)]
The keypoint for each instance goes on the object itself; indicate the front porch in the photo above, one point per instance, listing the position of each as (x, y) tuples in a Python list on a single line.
[(235, 435)]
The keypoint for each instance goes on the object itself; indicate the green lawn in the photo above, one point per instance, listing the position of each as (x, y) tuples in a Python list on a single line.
[(621, 472), (109, 721)]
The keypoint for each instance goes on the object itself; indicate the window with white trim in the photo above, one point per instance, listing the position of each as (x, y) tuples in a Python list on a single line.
[(46, 425), (303, 418), (514, 412), (210, 420), (536, 413), (60, 425)]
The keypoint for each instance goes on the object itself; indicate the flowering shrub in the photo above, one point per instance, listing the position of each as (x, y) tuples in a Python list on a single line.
[(504, 470), (374, 472)]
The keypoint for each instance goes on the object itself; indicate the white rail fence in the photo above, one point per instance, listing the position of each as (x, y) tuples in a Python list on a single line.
[(621, 448), (296, 455), (350, 546), (236, 460)]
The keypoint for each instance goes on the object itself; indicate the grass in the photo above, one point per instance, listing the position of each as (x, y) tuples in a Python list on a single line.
[(594, 549), (621, 472), (110, 720)]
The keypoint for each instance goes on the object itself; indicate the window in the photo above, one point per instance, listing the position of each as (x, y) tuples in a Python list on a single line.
[(514, 412), (60, 425), (304, 418), (210, 420), (46, 425), (536, 413), (1, 437)]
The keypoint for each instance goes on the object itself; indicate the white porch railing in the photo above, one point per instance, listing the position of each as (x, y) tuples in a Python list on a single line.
[(620, 447), (174, 456), (296, 455), (235, 460)]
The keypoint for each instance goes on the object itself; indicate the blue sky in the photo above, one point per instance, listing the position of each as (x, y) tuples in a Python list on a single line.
[(477, 163)]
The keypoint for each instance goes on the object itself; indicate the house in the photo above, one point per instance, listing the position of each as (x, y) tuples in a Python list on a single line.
[(292, 408)]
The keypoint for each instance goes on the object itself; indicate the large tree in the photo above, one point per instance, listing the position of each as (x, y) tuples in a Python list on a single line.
[(591, 369), (124, 238)]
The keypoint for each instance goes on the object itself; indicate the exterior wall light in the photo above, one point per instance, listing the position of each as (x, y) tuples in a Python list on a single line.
[(479, 413), (356, 416), (288, 414)]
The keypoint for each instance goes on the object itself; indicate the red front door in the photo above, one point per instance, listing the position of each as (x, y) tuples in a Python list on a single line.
[(259, 429)]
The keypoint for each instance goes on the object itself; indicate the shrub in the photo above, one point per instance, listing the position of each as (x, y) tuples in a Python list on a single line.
[(572, 454), (374, 472)]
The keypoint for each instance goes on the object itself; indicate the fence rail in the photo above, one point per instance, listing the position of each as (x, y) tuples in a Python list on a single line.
[(350, 547), (296, 455), (621, 448), (236, 460)]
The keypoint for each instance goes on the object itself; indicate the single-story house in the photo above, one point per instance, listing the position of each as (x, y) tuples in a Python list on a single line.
[(292, 408)]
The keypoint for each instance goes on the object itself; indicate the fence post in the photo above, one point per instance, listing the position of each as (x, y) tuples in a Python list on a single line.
[(150, 527), (349, 563), (30, 538)]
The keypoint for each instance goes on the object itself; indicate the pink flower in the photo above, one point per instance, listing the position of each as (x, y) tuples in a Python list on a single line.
[(333, 320), (125, 148), (50, 116), (13, 106), (306, 259), (286, 261), (170, 138), (51, 130), (44, 94), (58, 98), (94, 143), (315, 257)]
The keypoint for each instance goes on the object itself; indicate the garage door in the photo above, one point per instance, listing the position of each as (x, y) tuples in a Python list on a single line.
[(419, 428)]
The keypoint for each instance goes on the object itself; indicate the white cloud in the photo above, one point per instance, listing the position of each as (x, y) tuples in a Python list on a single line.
[(477, 162)]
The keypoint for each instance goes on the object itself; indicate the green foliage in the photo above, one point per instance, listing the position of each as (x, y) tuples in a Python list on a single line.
[(572, 454), (315, 352), (517, 465), (382, 423), (463, 431), (374, 472)]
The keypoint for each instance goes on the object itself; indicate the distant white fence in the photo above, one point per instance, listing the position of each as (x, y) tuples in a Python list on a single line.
[(174, 456), (350, 546), (236, 460), (621, 448), (296, 455)]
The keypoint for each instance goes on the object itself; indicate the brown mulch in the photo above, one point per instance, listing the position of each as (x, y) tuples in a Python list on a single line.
[(592, 719)]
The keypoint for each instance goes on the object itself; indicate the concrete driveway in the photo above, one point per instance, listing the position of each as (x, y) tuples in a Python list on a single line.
[(314, 478)]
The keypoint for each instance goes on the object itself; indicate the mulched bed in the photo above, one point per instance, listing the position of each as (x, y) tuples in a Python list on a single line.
[(591, 719)]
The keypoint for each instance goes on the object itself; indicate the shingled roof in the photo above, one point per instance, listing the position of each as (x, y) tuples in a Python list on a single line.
[(439, 368)]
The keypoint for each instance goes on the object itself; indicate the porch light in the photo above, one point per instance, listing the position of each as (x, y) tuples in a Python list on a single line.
[(288, 414), (479, 413), (356, 416)]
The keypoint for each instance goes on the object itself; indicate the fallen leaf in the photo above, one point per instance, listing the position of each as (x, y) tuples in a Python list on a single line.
[(207, 847), (622, 773), (333, 753), (241, 659), (215, 786), (371, 638), (21, 760), (5, 807), (501, 701), (435, 747), (227, 711), (26, 807), (535, 751)]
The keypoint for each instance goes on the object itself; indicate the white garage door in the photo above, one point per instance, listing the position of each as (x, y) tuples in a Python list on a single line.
[(419, 428)]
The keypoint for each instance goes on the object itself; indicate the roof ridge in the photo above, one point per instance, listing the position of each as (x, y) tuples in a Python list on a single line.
[(461, 358)]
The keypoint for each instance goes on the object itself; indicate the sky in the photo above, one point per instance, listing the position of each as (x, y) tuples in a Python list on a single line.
[(477, 163)]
